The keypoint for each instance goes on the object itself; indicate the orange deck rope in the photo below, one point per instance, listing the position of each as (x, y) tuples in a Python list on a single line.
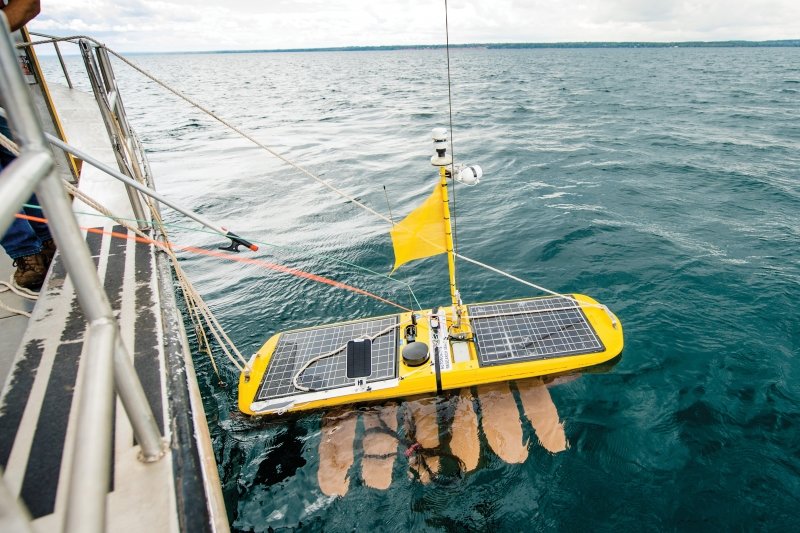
[(230, 257)]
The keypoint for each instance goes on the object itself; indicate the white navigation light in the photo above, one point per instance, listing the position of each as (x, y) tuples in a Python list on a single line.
[(442, 158), (470, 175)]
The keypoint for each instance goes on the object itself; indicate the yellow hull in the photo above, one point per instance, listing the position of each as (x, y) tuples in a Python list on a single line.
[(559, 338)]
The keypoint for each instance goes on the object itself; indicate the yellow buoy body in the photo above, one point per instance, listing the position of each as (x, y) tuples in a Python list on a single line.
[(484, 343)]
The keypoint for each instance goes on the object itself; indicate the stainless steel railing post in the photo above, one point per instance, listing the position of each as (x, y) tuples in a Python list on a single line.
[(63, 66), (100, 87), (136, 405), (95, 400), (130, 182), (91, 462), (86, 505), (135, 152), (58, 53), (19, 181)]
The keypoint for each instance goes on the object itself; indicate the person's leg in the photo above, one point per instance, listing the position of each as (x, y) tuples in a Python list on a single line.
[(20, 240), (22, 244), (40, 228), (5, 155)]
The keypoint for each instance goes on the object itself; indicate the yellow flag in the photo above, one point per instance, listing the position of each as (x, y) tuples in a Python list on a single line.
[(421, 233)]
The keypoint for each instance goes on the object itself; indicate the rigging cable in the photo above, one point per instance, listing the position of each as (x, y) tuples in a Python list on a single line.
[(272, 245), (192, 298), (291, 163), (452, 150), (231, 257)]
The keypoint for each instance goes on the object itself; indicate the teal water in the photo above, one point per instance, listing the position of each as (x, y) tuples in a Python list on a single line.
[(665, 183)]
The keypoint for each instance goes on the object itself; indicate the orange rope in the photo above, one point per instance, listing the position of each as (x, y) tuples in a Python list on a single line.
[(230, 257)]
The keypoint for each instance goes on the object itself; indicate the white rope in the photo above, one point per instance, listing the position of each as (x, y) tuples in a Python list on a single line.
[(193, 300), (216, 329), (13, 310), (188, 289), (19, 291), (9, 145), (202, 338), (529, 284), (9, 285)]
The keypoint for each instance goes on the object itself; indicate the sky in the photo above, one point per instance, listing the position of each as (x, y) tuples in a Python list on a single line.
[(198, 25)]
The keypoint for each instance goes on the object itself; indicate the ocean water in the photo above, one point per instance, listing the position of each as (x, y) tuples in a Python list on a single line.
[(663, 182)]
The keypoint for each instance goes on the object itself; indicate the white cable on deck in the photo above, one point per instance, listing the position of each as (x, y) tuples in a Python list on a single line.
[(9, 285), (19, 291)]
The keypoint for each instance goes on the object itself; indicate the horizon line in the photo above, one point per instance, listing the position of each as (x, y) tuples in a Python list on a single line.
[(728, 43), (561, 44)]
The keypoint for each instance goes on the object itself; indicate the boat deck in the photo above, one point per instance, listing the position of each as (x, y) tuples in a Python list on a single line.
[(38, 403), (38, 407), (11, 324)]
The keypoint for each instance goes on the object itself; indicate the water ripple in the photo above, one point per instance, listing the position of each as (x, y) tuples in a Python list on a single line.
[(663, 182)]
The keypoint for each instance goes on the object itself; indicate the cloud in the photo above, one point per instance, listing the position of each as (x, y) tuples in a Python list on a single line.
[(178, 25)]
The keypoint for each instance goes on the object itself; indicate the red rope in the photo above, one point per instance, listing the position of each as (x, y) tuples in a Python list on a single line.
[(230, 257)]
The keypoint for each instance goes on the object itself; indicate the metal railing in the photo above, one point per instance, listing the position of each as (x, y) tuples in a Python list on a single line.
[(126, 145), (134, 168), (106, 360), (60, 57), (123, 140)]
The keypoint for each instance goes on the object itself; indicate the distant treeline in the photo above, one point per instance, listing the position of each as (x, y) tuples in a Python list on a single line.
[(500, 46), (686, 44)]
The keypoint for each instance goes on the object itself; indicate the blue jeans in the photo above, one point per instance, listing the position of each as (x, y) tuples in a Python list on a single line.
[(23, 237)]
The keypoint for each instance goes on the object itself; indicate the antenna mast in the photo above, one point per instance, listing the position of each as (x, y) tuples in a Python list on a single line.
[(442, 160)]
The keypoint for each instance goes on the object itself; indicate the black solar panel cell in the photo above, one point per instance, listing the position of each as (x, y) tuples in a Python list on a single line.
[(297, 347), (524, 330)]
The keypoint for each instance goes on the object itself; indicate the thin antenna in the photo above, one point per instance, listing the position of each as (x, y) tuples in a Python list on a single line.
[(386, 194), (452, 150)]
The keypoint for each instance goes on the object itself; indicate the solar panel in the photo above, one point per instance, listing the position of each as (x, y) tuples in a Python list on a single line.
[(525, 330), (296, 347)]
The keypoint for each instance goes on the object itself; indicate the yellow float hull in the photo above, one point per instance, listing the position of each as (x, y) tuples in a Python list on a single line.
[(475, 350)]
